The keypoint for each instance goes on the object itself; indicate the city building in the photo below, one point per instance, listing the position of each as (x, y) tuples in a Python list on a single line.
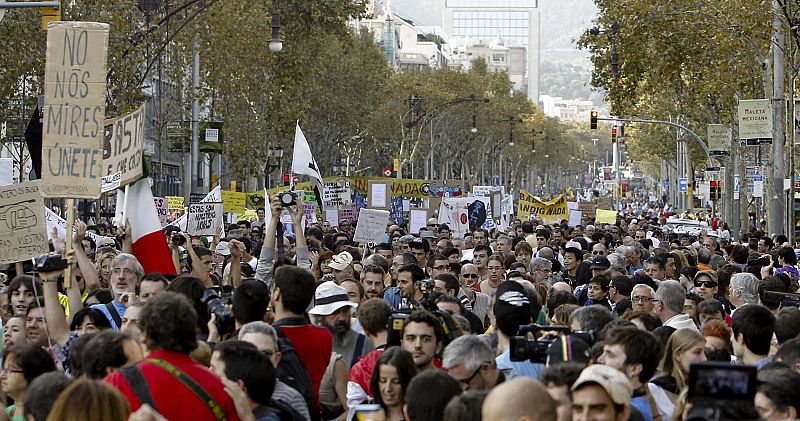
[(516, 22), (566, 109), (497, 55)]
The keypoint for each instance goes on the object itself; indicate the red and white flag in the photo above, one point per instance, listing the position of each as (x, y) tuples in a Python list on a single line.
[(149, 245)]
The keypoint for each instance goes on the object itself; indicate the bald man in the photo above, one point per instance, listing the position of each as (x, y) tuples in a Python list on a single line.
[(519, 399)]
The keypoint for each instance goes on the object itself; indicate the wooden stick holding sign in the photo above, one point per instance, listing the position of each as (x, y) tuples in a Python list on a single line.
[(70, 226)]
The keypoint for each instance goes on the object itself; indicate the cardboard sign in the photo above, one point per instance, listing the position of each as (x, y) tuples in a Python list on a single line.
[(332, 216), (604, 216), (204, 218), (418, 218), (123, 146), (175, 203), (162, 206), (233, 201), (371, 226), (74, 109), (22, 227)]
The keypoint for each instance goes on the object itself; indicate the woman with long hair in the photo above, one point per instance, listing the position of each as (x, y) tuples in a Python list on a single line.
[(393, 371), (87, 399), (21, 365), (684, 347)]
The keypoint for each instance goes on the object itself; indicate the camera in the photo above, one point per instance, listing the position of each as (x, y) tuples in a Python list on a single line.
[(395, 327), (287, 198), (426, 286), (50, 263), (178, 239), (535, 350), (218, 303), (716, 383), (763, 260)]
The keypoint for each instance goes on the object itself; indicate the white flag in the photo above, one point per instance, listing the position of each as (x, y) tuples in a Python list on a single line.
[(303, 162)]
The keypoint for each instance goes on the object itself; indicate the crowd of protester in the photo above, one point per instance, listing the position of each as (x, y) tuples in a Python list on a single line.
[(271, 321)]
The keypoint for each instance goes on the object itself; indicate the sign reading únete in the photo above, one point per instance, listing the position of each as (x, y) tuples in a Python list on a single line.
[(123, 143), (22, 226), (74, 109)]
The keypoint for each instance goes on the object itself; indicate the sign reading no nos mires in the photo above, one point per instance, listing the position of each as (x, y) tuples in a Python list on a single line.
[(74, 109)]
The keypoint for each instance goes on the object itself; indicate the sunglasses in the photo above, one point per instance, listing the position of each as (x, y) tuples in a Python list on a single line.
[(706, 284), (601, 253), (469, 275)]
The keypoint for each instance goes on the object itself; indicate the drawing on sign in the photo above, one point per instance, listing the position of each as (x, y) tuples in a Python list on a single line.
[(19, 215), (22, 233)]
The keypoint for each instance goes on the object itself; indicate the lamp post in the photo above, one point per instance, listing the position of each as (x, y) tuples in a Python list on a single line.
[(274, 158), (275, 43)]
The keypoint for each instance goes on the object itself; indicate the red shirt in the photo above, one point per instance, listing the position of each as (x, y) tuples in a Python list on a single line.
[(172, 398), (314, 346)]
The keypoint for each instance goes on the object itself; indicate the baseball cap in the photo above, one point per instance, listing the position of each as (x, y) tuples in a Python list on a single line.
[(328, 298), (512, 307), (574, 244), (600, 262), (568, 348), (341, 261), (223, 248), (615, 383)]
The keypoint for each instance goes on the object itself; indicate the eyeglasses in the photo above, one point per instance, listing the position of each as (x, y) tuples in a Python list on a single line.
[(465, 382), (441, 267), (598, 252), (642, 299), (469, 275), (706, 284)]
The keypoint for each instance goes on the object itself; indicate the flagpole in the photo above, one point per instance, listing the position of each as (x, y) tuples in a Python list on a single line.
[(70, 225)]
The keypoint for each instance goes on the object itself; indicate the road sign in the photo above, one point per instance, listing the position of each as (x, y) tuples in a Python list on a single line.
[(683, 185)]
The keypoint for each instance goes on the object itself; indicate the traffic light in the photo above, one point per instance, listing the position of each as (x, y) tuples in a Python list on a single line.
[(286, 179), (624, 187), (593, 120), (614, 134), (715, 190)]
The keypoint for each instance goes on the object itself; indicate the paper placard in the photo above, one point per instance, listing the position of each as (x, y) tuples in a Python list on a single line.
[(603, 216), (162, 206), (175, 203), (123, 146), (233, 201), (371, 225), (418, 218), (377, 195), (575, 217), (52, 220), (6, 171), (204, 218), (337, 194), (23, 233), (332, 216), (110, 182), (74, 109)]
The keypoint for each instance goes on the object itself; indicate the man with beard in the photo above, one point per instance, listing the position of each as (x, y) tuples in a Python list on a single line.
[(332, 310)]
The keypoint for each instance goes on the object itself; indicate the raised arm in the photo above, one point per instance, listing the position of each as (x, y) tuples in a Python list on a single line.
[(53, 312), (237, 248), (88, 270), (265, 263), (301, 247)]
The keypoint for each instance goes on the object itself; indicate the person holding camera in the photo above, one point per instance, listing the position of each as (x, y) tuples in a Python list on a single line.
[(266, 260)]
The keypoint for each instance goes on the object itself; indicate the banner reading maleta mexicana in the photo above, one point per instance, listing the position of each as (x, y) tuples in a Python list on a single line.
[(74, 109)]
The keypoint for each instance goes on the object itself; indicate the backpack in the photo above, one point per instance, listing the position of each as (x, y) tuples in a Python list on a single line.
[(291, 371)]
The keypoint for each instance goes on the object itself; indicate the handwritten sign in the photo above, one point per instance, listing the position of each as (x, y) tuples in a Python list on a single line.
[(233, 201), (371, 226), (110, 182), (162, 206), (74, 109), (605, 216), (175, 203), (123, 143), (22, 227), (337, 194), (204, 218)]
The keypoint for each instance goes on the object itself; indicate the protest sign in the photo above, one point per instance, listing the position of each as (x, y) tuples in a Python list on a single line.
[(74, 109), (411, 188), (175, 203), (123, 146), (604, 216), (575, 217), (464, 214), (6, 171), (53, 220), (378, 195), (310, 213), (233, 201), (110, 182), (162, 206), (255, 199), (249, 215), (22, 227), (418, 218), (551, 211), (337, 194), (332, 216), (371, 226), (204, 218), (487, 190)]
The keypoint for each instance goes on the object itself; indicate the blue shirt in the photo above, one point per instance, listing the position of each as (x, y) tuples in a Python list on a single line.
[(518, 368), (103, 309), (393, 297), (643, 405)]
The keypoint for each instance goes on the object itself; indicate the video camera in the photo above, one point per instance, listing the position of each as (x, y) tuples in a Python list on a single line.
[(535, 350), (397, 321), (218, 301), (715, 387)]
